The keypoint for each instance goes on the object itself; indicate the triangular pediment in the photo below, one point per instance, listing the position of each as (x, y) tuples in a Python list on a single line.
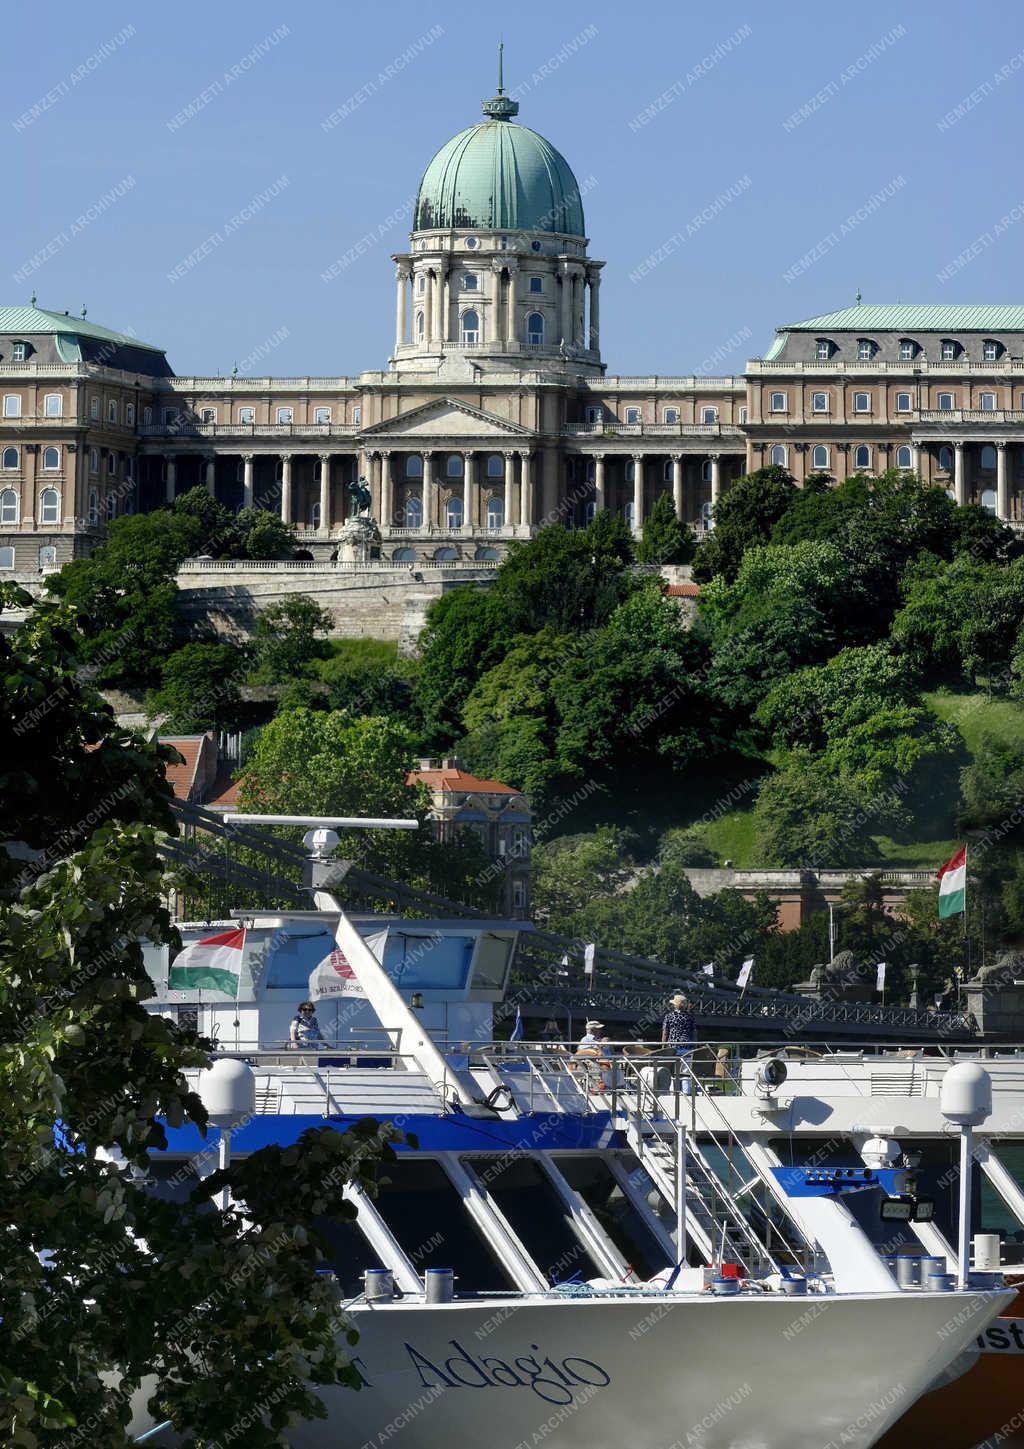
[(447, 418)]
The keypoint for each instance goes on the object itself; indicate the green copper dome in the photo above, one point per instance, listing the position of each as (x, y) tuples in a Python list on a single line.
[(499, 176)]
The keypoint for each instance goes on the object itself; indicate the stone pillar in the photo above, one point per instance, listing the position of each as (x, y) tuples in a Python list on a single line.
[(437, 298), (678, 490), (510, 473), (600, 501), (247, 485), (525, 490), (210, 467), (428, 490), (325, 492), (565, 308), (959, 478), (171, 465), (1002, 483), (387, 492), (511, 330), (595, 311), (470, 511), (638, 493), (286, 487), (401, 303), (716, 478), (915, 458)]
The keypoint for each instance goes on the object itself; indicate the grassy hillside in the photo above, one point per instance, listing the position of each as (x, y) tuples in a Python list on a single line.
[(733, 835)]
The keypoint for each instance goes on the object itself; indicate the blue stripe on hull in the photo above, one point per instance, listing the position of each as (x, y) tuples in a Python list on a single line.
[(545, 1131)]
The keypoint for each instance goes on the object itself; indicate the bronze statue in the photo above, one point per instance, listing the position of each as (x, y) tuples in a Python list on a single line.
[(359, 491)]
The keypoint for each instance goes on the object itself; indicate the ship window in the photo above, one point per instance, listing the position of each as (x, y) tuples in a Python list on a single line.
[(526, 1196), (350, 1254), (592, 1179), (428, 1217)]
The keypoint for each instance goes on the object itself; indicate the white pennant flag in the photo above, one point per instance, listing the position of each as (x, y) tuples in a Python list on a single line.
[(880, 977), (588, 958), (334, 976), (709, 969), (745, 970)]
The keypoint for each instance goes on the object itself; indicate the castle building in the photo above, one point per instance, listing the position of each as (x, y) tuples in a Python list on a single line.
[(495, 413)]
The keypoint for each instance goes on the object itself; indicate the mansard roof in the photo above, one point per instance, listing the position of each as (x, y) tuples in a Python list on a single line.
[(915, 317)]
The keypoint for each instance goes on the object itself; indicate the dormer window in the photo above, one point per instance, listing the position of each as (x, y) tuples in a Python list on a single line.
[(865, 349), (19, 351), (990, 350), (823, 349), (908, 349), (949, 350)]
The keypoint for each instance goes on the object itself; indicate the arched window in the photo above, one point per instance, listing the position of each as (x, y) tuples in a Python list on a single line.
[(446, 555), (778, 456), (404, 555), (535, 329), (495, 465), (8, 506), (51, 459), (484, 554), (705, 471), (419, 326), (470, 328), (988, 500), (421, 283), (819, 457), (413, 465), (147, 416), (111, 506), (988, 459), (495, 511), (10, 458), (314, 515), (862, 456), (453, 511), (94, 507), (129, 414), (49, 506), (946, 459), (904, 457), (453, 467), (413, 513)]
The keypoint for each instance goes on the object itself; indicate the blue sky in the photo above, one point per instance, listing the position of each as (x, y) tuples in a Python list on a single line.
[(744, 165)]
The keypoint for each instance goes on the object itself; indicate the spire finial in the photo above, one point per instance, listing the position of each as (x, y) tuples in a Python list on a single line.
[(500, 107), (33, 302), (858, 296), (84, 309)]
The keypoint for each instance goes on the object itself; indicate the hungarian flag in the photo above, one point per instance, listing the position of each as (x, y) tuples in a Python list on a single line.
[(953, 885), (214, 965)]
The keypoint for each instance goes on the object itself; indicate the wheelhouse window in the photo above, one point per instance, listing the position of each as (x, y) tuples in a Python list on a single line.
[(777, 402), (51, 459), (862, 456), (862, 402), (819, 456), (535, 329), (819, 402), (470, 328), (53, 405), (904, 402), (49, 506), (8, 506)]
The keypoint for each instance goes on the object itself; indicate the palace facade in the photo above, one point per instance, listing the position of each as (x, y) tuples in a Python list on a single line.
[(495, 413)]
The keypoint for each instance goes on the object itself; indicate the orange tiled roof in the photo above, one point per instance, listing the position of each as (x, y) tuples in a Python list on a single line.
[(682, 591), (458, 780), (224, 793), (181, 778)]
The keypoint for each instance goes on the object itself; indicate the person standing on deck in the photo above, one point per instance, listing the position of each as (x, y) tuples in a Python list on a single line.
[(679, 1032)]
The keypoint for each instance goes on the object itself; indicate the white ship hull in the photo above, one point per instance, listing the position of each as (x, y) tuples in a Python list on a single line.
[(738, 1373)]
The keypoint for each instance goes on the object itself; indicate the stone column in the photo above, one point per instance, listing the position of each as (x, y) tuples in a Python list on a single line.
[(210, 466), (286, 487), (600, 501), (959, 477), (325, 492), (401, 301), (510, 473), (387, 492), (565, 309), (525, 490), (678, 490), (638, 493), (511, 330), (171, 465), (915, 458), (247, 488), (470, 511), (716, 478), (595, 311), (427, 307), (1002, 484), (429, 491)]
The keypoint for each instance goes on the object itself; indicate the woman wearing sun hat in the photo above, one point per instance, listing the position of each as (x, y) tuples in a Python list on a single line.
[(678, 1034), (592, 1045)]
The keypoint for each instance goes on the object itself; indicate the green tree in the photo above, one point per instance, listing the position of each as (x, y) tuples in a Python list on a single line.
[(100, 1290), (961, 621), (199, 689), (285, 640), (745, 516), (467, 632), (252, 533), (566, 579), (810, 815), (126, 596), (665, 540), (367, 677)]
